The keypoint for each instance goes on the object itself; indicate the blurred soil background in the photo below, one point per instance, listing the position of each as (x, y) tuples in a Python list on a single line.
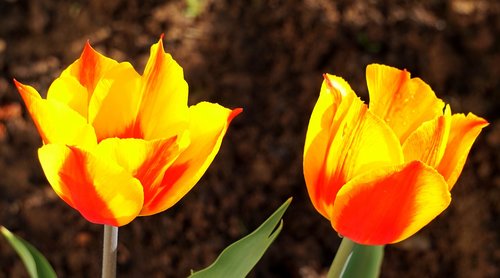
[(267, 57)]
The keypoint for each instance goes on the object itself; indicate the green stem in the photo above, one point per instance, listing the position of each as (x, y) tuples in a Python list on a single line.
[(356, 260), (341, 258), (110, 245)]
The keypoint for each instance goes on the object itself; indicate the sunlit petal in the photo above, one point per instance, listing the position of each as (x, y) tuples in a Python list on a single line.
[(145, 160), (208, 125), (164, 96), (402, 102), (103, 192), (89, 68), (464, 131), (389, 205), (115, 103), (56, 122), (344, 139), (69, 91), (428, 142)]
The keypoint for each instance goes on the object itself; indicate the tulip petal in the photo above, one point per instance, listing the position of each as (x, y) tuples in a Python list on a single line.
[(144, 160), (464, 131), (402, 102), (56, 122), (163, 112), (114, 105), (428, 142), (89, 68), (103, 192), (389, 205), (207, 128), (344, 139), (67, 90)]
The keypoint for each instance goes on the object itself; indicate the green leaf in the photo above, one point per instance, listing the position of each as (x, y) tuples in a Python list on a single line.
[(238, 259), (36, 264)]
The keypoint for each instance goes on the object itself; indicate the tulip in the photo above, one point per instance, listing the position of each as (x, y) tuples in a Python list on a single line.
[(117, 144), (381, 173)]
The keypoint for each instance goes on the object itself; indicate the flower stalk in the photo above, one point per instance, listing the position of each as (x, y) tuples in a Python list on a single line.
[(341, 258), (110, 246), (356, 260)]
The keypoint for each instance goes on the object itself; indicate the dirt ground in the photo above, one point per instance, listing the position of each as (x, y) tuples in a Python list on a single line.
[(267, 57)]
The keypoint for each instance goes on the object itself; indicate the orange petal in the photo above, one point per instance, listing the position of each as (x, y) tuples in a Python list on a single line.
[(344, 139), (102, 191), (114, 105), (89, 68), (56, 122), (428, 142), (163, 112), (144, 160), (67, 90), (389, 205), (207, 127), (463, 133), (402, 102)]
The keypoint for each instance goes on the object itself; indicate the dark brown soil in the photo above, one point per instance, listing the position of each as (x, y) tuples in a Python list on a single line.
[(267, 57)]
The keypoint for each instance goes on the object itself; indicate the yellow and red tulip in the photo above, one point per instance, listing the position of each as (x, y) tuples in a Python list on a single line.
[(381, 172), (117, 144)]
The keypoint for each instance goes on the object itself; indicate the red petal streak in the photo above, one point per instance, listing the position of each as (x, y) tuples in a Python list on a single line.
[(85, 197), (389, 205), (89, 67), (235, 112)]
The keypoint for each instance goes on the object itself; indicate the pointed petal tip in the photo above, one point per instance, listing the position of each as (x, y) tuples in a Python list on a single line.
[(473, 120), (327, 77), (235, 112), (336, 83), (376, 66), (25, 91), (481, 122), (18, 84), (87, 49), (160, 44)]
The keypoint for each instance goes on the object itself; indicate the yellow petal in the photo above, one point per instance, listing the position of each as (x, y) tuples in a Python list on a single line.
[(69, 91), (163, 112), (102, 191), (402, 102), (56, 122), (428, 142), (144, 160), (89, 68), (389, 205), (207, 127), (344, 139), (114, 105), (463, 133)]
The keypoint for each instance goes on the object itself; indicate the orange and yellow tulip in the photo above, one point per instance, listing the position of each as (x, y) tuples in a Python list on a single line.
[(117, 144), (381, 173)]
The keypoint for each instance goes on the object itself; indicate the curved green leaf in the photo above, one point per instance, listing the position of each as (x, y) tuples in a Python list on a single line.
[(35, 263), (238, 259)]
